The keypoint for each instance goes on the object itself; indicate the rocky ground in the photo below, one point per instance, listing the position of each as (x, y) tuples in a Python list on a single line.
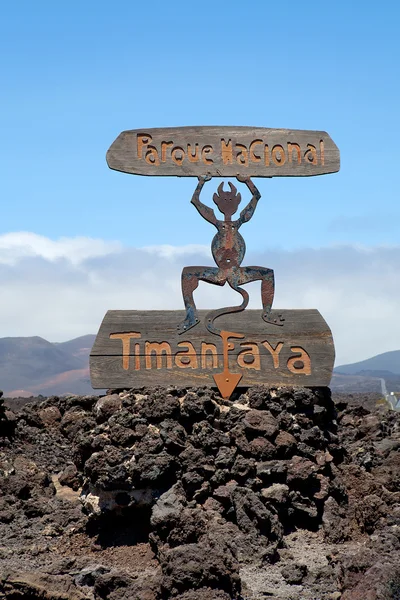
[(153, 494)]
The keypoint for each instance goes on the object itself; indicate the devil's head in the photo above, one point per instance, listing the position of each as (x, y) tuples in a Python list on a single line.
[(227, 202)]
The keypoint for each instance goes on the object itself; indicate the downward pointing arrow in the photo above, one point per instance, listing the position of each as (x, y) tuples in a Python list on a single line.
[(227, 381)]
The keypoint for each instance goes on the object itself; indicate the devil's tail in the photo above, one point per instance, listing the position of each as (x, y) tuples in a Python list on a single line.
[(214, 314)]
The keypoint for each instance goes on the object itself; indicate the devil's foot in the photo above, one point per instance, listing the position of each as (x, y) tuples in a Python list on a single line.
[(187, 324), (273, 320)]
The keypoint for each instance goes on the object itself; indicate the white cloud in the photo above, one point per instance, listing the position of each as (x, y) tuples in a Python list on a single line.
[(61, 289), (23, 244), (167, 251)]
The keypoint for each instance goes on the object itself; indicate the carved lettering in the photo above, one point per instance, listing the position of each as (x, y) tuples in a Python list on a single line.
[(204, 155), (249, 358), (164, 147), (142, 139), (294, 148), (266, 155), (226, 152), (274, 352), (290, 153), (278, 155), (253, 156), (159, 355), (193, 157), (151, 156), (177, 155), (242, 156), (212, 355), (137, 357), (322, 151), (188, 358), (159, 349), (126, 345), (301, 363), (311, 154)]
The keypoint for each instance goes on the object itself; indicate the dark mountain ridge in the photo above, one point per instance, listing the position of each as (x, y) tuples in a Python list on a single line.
[(32, 358), (32, 365), (366, 375), (77, 345), (388, 362)]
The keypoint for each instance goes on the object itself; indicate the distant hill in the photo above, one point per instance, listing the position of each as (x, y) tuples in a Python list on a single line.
[(32, 366), (388, 362), (365, 376), (79, 346)]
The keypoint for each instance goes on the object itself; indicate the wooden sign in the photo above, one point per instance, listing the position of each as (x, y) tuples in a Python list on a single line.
[(188, 348), (136, 348), (224, 152)]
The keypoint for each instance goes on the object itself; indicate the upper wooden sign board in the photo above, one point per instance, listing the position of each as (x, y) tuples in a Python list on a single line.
[(224, 152)]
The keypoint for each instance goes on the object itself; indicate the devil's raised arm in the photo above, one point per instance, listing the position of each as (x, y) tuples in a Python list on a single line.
[(206, 212), (248, 212)]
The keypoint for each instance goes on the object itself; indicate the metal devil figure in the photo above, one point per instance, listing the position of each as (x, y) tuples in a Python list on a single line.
[(135, 348), (228, 250)]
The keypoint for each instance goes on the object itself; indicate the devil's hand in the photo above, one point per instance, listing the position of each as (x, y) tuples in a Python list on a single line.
[(242, 178), (205, 178)]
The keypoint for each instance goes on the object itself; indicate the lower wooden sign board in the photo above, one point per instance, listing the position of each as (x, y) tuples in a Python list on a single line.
[(143, 348)]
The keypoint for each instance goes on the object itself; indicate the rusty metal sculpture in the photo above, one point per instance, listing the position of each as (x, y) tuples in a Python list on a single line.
[(228, 249)]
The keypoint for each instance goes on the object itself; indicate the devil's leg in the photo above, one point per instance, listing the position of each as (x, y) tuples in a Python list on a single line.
[(190, 281), (266, 276)]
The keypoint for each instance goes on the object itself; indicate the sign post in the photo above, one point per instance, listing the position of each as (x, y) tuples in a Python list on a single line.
[(292, 347)]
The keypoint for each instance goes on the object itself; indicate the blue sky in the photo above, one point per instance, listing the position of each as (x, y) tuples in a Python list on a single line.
[(75, 74)]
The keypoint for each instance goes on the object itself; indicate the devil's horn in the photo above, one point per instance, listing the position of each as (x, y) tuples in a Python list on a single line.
[(221, 188), (233, 189)]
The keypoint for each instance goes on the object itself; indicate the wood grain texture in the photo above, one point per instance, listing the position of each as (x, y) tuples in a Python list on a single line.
[(224, 152), (266, 354)]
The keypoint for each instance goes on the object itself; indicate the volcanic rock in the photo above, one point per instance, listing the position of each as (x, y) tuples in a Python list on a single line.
[(166, 493)]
